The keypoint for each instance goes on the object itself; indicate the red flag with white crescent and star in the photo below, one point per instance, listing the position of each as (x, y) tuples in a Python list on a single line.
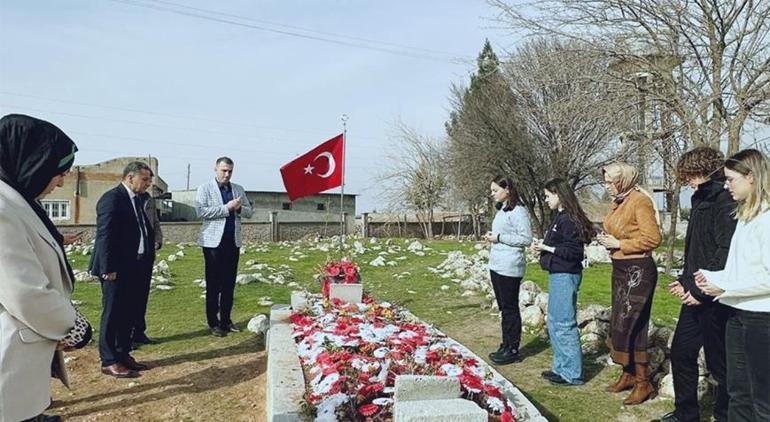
[(318, 170)]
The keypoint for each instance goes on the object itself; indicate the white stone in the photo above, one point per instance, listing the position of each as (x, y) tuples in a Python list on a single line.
[(180, 254), (245, 279), (444, 287), (454, 410), (597, 254), (377, 262), (350, 293), (265, 301), (666, 386), (171, 258), (423, 387), (259, 324), (532, 317), (299, 301), (541, 301), (526, 298), (83, 276), (163, 287)]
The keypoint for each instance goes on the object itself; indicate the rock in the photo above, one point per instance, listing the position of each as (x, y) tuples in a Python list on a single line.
[(200, 283), (591, 343), (530, 286), (83, 276), (660, 338), (656, 356), (444, 287), (526, 298), (597, 327), (533, 317), (597, 254), (592, 312), (163, 287), (171, 258), (468, 293), (377, 262), (265, 301), (259, 324), (245, 279), (415, 246), (702, 368), (180, 254), (666, 386), (541, 301)]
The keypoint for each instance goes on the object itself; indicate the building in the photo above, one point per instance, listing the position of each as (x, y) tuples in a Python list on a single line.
[(315, 208), (75, 202)]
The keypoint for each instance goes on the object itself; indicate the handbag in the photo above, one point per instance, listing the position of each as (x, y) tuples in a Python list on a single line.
[(80, 334)]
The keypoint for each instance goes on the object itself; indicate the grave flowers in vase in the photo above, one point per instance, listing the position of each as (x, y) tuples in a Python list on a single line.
[(339, 272)]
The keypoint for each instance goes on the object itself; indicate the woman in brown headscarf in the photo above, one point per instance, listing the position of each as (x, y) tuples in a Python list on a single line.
[(632, 232)]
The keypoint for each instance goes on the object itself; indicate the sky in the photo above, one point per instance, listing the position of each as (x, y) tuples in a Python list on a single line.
[(187, 81)]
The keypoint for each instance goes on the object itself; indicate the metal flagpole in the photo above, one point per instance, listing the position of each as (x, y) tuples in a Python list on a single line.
[(344, 119)]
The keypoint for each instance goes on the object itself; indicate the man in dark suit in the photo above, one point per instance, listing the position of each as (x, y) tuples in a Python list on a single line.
[(122, 258), (139, 325)]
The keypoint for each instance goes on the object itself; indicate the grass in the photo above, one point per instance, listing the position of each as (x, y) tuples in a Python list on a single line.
[(177, 317)]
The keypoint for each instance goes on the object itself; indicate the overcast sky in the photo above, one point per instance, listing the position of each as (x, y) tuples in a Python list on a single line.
[(261, 81)]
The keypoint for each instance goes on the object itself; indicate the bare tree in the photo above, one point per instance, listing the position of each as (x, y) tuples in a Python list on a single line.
[(415, 179), (711, 58), (541, 115)]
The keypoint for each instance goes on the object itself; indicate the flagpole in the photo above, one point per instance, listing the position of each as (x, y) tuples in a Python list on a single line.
[(344, 119)]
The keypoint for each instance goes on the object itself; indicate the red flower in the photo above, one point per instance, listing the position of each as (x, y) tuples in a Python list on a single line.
[(332, 270), (367, 410), (370, 388), (507, 417)]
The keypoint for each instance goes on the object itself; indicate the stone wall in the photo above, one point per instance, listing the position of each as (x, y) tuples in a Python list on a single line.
[(184, 232)]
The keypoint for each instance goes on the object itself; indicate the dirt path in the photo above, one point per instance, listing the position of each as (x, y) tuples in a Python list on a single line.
[(226, 384)]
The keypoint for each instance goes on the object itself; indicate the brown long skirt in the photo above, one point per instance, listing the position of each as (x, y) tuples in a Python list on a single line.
[(633, 285)]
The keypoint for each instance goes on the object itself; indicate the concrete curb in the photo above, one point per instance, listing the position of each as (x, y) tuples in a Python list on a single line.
[(285, 380)]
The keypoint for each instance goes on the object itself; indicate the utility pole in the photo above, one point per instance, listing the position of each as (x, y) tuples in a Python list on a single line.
[(188, 176)]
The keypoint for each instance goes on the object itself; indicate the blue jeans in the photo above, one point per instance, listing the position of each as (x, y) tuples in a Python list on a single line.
[(562, 326)]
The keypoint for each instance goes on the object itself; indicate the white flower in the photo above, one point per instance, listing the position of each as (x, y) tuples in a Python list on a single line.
[(329, 405), (451, 370), (326, 384), (380, 353), (495, 404), (382, 401)]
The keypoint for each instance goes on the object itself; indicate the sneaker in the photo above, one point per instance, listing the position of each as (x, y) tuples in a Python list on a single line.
[(669, 417), (509, 355), (548, 375), (558, 380), (233, 328), (218, 332), (499, 351)]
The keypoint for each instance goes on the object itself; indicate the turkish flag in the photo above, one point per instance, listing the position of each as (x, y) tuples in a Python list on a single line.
[(318, 170)]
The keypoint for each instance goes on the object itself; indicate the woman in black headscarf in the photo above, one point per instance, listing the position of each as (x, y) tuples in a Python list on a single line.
[(37, 318)]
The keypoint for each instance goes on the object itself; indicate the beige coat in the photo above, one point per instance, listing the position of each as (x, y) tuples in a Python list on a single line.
[(35, 309)]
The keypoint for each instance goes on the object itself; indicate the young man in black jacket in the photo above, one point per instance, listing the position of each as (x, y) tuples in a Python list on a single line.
[(701, 320)]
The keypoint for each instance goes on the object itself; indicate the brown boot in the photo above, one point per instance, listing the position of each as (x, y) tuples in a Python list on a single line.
[(624, 382), (643, 389)]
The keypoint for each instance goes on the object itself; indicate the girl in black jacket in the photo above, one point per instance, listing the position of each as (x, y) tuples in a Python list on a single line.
[(561, 254)]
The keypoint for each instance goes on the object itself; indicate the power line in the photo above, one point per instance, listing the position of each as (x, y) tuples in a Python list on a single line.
[(135, 122), (314, 132), (360, 45)]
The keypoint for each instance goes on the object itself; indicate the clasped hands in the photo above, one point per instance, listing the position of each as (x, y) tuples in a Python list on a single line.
[(234, 204), (705, 286), (608, 241)]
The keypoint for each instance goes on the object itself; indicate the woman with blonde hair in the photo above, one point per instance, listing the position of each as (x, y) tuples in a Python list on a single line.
[(744, 285), (632, 233)]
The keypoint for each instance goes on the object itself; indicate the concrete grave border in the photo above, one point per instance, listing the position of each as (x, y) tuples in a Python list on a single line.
[(286, 382)]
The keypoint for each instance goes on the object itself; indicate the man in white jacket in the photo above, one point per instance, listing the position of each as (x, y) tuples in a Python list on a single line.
[(221, 204)]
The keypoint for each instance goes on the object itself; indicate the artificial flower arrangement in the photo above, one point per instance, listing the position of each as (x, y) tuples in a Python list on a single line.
[(342, 271), (352, 353)]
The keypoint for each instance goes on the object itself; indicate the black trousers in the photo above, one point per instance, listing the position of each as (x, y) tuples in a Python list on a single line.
[(507, 296), (139, 325), (748, 366), (120, 298), (699, 326), (221, 269)]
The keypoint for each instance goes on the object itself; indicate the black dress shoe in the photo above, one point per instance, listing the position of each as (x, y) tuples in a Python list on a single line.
[(500, 350), (509, 355), (143, 339), (218, 332), (669, 417)]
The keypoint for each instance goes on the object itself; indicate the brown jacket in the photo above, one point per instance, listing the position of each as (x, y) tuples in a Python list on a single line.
[(633, 223)]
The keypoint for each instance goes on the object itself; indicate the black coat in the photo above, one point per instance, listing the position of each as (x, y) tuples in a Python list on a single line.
[(709, 232), (117, 234), (569, 252)]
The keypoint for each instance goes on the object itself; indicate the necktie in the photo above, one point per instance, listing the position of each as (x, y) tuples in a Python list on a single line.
[(140, 216)]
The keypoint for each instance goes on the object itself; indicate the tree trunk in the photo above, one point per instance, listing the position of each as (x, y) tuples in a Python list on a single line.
[(672, 230)]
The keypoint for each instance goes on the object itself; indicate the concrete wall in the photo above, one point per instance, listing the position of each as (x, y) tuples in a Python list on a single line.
[(305, 209)]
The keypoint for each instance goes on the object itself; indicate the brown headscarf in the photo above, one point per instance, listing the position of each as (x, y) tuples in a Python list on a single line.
[(624, 176)]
